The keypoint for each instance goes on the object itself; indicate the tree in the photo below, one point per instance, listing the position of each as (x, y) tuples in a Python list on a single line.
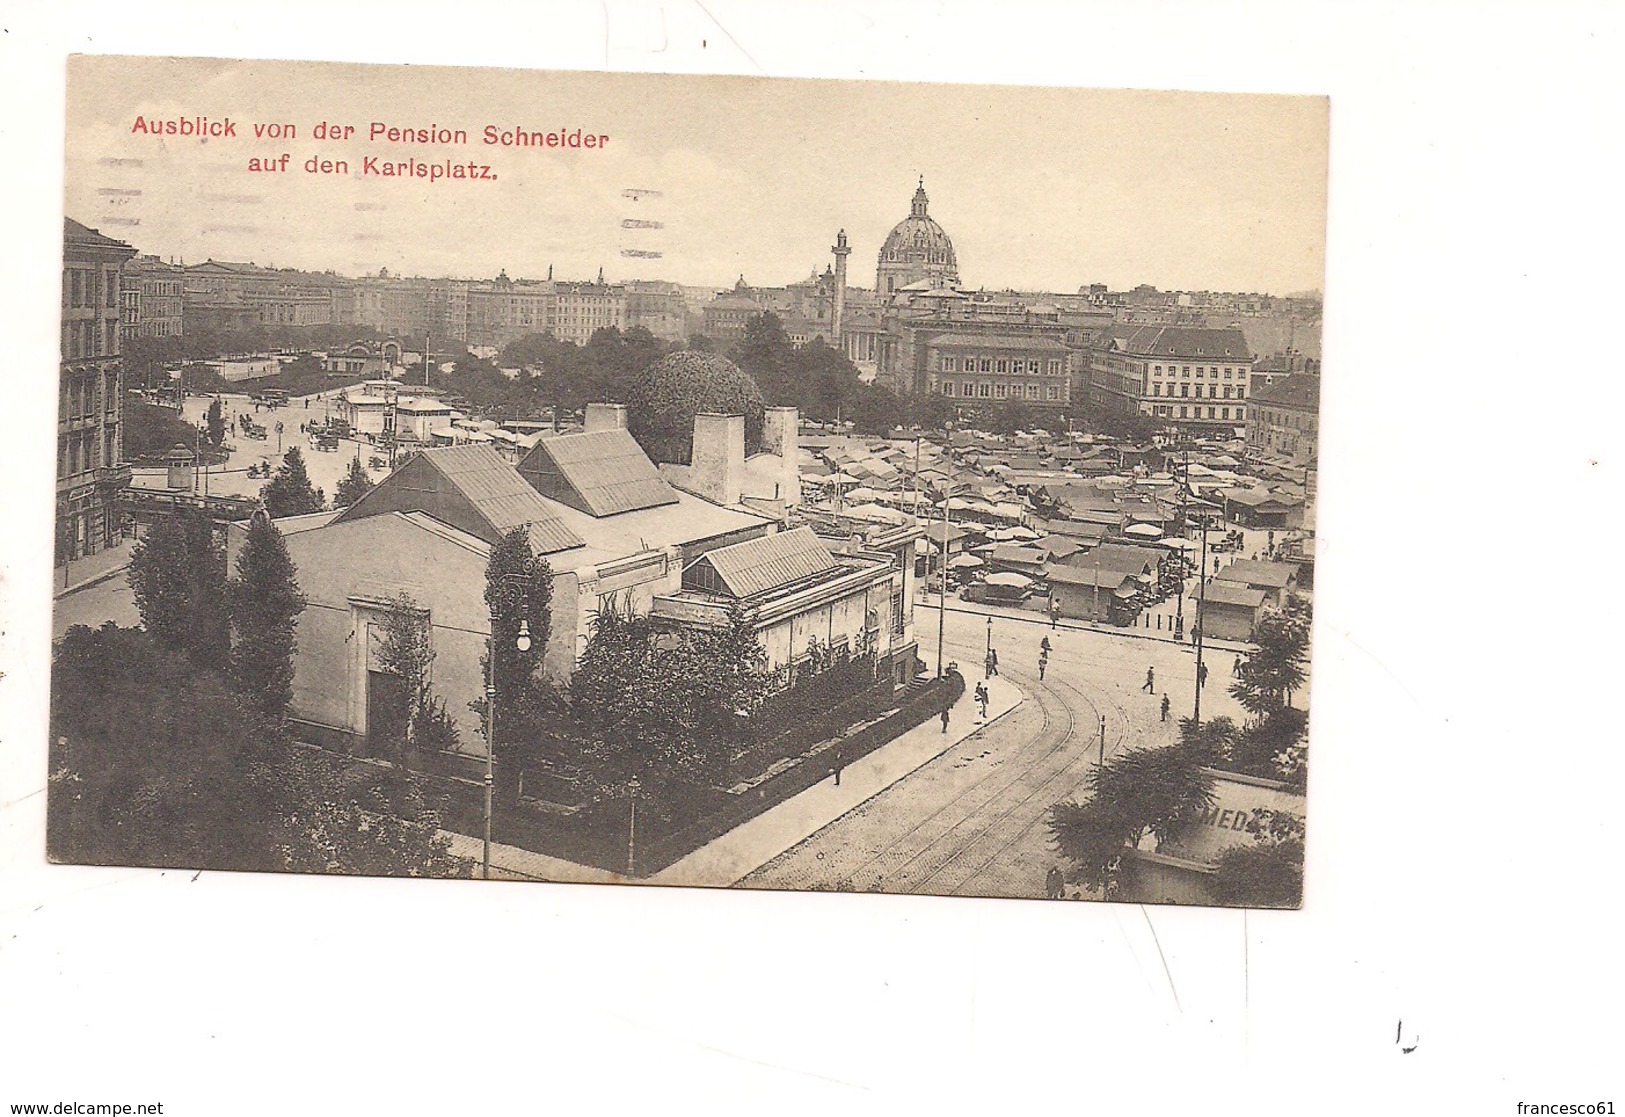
[(1010, 416), (405, 649), (265, 604), (666, 710), (216, 423), (151, 431), (355, 485), (1267, 873), (1155, 791), (289, 492), (519, 597), (660, 408), (765, 354), (1277, 666), (155, 761), (178, 577)]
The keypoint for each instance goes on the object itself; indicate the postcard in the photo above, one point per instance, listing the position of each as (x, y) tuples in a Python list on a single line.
[(708, 481)]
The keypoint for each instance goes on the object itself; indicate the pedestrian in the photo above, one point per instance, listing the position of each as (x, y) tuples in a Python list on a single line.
[(1054, 614), (1235, 666), (1043, 662), (1150, 685), (1043, 645), (945, 719), (1055, 883), (1201, 676), (1165, 705)]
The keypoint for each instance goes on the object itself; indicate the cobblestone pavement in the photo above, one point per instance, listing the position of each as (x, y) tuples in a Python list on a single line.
[(973, 821)]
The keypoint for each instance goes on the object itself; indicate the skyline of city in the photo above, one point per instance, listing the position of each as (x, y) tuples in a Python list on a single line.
[(1216, 192)]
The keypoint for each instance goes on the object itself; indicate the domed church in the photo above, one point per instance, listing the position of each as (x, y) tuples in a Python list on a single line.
[(916, 249)]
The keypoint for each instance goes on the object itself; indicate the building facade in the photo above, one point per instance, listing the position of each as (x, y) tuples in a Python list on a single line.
[(1190, 377), (89, 429), (1283, 418), (151, 297)]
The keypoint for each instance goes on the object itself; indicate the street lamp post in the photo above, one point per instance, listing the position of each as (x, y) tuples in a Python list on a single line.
[(988, 654), (632, 789)]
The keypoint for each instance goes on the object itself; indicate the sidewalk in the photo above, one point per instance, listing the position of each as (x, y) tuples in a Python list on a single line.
[(746, 848), (94, 569), (512, 863)]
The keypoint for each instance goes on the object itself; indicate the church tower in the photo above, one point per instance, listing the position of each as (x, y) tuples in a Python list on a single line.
[(841, 253)]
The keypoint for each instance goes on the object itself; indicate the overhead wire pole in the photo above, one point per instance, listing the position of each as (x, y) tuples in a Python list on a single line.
[(1201, 584), (947, 517)]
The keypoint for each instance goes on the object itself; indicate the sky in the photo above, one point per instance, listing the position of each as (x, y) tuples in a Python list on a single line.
[(1039, 188)]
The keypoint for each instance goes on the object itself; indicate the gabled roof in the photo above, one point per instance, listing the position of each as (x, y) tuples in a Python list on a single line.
[(472, 488), (1068, 574), (1252, 573), (601, 473), (1118, 557), (758, 565), (1232, 593)]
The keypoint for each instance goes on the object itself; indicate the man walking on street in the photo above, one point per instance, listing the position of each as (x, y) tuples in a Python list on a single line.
[(1201, 676), (1165, 705), (992, 662), (1043, 662), (1055, 883), (1150, 686), (945, 719)]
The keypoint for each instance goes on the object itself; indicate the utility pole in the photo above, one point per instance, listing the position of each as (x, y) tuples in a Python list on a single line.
[(947, 519), (1102, 740), (1201, 583)]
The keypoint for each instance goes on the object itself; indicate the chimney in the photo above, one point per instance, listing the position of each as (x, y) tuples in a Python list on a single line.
[(717, 471), (606, 417), (780, 435)]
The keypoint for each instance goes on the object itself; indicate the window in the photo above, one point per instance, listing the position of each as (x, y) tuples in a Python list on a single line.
[(1182, 411), (1227, 373), (1224, 413), (1210, 413), (1241, 391), (1157, 369), (947, 387), (1032, 367), (1055, 368), (1032, 391), (999, 389), (987, 364), (1001, 365), (948, 364), (1184, 391), (1187, 372), (1156, 389), (1201, 373), (1054, 391)]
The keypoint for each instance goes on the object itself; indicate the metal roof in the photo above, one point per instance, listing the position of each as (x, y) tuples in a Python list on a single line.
[(503, 497), (758, 565), (600, 473)]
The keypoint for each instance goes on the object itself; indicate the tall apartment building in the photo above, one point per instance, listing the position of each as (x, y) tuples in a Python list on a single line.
[(1190, 377), (89, 442), (151, 298)]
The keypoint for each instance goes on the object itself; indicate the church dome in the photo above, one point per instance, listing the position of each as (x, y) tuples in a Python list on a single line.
[(916, 248)]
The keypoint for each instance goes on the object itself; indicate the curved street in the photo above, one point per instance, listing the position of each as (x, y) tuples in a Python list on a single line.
[(973, 822)]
